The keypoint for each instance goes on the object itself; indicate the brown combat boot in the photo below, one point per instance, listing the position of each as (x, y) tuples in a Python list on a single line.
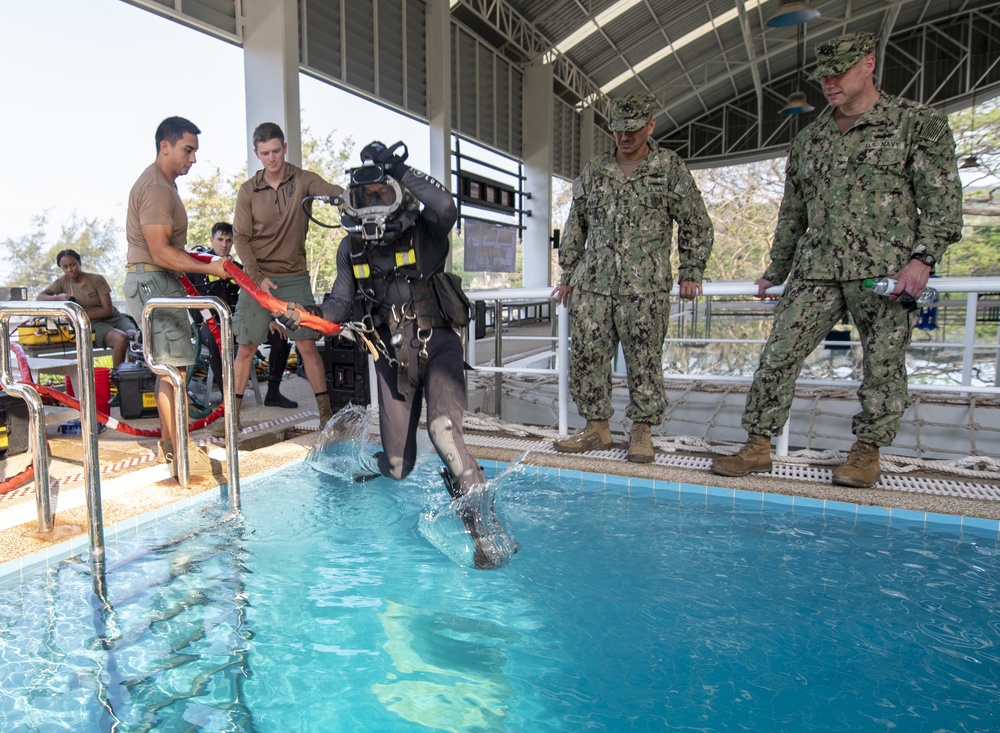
[(164, 451), (640, 443), (861, 469), (199, 464), (325, 410), (219, 429), (595, 436), (753, 457)]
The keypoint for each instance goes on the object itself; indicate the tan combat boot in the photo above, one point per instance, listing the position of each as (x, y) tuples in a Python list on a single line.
[(640, 443), (753, 457), (861, 469), (219, 429), (199, 464), (164, 451), (325, 410), (595, 436)]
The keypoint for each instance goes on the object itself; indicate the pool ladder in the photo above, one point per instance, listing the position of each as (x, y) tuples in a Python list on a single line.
[(88, 409)]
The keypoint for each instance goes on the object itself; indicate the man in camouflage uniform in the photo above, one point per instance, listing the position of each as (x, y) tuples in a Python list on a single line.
[(871, 190), (615, 258)]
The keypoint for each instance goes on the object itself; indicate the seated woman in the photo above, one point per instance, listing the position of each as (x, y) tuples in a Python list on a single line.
[(91, 291)]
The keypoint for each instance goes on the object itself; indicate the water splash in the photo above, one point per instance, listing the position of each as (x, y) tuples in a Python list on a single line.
[(345, 448), (471, 530)]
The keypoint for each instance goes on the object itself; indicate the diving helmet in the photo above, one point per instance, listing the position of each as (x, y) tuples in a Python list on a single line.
[(377, 208)]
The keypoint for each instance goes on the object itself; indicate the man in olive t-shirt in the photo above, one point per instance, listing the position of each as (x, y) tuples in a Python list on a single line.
[(156, 231)]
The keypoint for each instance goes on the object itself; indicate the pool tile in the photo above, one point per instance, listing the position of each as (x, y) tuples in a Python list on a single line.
[(664, 488), (842, 507), (808, 504), (694, 489), (877, 512), (640, 487), (780, 499), (989, 526), (611, 479), (716, 492), (907, 515)]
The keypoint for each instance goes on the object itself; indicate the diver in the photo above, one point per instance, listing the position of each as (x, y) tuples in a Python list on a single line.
[(391, 280)]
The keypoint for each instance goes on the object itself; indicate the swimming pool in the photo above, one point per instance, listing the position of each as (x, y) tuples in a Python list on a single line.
[(630, 606)]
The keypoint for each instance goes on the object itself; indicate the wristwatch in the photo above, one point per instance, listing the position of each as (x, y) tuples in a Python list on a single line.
[(927, 259)]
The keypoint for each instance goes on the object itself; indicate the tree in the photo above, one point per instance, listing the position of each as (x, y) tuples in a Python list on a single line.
[(33, 256), (330, 157), (212, 199)]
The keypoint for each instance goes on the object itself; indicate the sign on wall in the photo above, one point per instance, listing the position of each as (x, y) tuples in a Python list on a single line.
[(490, 247)]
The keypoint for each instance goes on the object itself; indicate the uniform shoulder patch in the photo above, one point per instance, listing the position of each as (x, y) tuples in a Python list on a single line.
[(684, 185), (934, 128), (578, 188)]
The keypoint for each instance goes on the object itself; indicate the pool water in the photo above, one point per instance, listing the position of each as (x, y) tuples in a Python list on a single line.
[(330, 606)]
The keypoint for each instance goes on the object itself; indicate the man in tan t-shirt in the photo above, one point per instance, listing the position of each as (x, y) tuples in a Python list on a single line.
[(269, 233), (156, 231)]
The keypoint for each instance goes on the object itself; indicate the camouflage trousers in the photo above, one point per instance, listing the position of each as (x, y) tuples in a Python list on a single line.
[(806, 312), (598, 324)]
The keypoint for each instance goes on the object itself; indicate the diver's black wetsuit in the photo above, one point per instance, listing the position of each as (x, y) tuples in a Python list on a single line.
[(438, 376)]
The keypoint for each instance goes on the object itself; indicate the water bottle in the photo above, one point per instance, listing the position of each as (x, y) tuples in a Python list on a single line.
[(885, 286)]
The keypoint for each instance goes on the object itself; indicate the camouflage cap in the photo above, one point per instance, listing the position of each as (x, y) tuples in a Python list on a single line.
[(630, 113), (837, 55)]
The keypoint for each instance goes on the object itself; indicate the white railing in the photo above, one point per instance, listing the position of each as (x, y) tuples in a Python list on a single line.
[(971, 286)]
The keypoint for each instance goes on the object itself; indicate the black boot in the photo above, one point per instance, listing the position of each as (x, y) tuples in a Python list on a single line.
[(274, 398), (482, 557)]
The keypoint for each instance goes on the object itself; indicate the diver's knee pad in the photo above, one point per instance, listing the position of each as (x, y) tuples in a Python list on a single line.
[(442, 432), (395, 467)]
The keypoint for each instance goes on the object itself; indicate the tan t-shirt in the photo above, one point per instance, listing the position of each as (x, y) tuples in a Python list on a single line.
[(87, 294), (269, 226), (153, 200)]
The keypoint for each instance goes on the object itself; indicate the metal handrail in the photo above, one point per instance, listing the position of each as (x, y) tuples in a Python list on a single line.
[(88, 421), (972, 286), (179, 383)]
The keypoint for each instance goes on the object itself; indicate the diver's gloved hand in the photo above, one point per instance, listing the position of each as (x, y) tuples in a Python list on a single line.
[(292, 317), (377, 152)]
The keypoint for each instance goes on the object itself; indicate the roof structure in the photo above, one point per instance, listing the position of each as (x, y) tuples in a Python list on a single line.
[(719, 73)]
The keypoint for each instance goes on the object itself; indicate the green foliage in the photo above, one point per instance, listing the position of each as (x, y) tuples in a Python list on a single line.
[(33, 256), (212, 199), (330, 157)]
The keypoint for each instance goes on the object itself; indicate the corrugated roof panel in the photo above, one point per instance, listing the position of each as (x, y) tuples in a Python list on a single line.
[(359, 17)]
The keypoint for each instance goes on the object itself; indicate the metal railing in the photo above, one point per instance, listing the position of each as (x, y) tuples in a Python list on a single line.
[(179, 382), (88, 422), (971, 286), (88, 410)]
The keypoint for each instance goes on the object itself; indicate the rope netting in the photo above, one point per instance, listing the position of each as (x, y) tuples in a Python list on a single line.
[(810, 407)]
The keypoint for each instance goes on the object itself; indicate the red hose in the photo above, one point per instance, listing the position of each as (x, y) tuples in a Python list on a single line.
[(17, 480), (269, 302)]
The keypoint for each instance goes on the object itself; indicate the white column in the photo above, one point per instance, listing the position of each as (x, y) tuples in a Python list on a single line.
[(271, 72), (537, 136), (438, 39)]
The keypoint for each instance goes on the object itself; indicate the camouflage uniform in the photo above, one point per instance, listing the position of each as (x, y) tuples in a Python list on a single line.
[(856, 205), (616, 254)]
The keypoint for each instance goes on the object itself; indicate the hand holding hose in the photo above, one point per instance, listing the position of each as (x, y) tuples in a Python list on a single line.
[(291, 317)]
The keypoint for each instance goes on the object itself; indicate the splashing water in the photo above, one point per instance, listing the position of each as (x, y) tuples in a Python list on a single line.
[(468, 530)]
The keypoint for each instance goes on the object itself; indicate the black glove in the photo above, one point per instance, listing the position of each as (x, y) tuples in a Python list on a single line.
[(371, 150), (293, 321), (393, 164)]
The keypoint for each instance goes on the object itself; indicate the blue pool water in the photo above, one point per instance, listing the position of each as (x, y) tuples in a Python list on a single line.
[(330, 606)]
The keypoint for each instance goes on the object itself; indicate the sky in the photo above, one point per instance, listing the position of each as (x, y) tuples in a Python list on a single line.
[(86, 82)]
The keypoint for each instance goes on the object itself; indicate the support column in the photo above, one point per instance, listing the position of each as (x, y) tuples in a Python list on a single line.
[(271, 72), (537, 135), (587, 135), (438, 39)]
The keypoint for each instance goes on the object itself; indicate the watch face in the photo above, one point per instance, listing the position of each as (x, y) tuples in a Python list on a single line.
[(926, 259)]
